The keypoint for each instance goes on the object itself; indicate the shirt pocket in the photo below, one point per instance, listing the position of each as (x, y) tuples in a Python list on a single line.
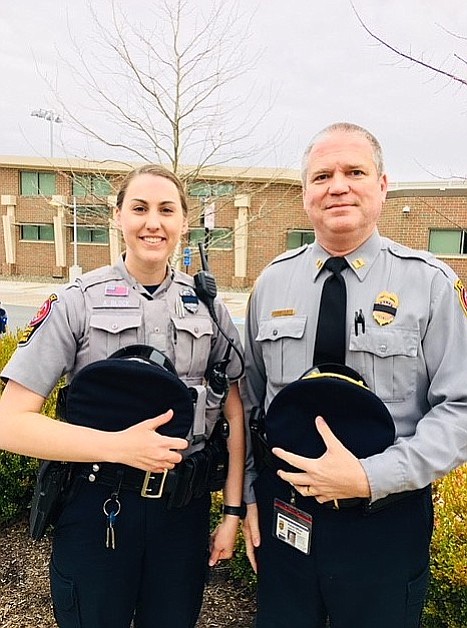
[(192, 345), (387, 360), (112, 330), (284, 352)]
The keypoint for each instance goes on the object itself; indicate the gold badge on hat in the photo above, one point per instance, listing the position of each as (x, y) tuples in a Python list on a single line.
[(385, 308)]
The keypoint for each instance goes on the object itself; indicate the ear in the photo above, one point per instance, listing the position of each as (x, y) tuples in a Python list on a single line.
[(116, 216), (384, 186)]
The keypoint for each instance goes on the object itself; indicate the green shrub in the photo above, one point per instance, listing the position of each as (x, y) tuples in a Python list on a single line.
[(446, 605), (17, 473)]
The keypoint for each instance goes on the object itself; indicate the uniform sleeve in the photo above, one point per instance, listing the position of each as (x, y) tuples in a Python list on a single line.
[(48, 345), (440, 440), (253, 389)]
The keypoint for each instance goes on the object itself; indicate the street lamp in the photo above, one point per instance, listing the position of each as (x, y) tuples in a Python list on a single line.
[(52, 117)]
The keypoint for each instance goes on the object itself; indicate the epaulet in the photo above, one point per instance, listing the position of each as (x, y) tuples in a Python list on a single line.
[(405, 252), (95, 277), (289, 254), (183, 278)]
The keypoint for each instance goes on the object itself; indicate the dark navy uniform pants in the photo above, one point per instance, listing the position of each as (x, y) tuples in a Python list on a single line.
[(363, 571), (156, 572)]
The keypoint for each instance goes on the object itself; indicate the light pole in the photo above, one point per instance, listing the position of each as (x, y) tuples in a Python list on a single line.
[(75, 270), (52, 117)]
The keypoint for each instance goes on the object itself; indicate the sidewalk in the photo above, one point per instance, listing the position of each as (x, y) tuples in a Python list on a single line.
[(34, 293)]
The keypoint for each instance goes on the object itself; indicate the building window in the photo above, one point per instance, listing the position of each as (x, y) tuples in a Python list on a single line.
[(219, 238), (210, 190), (37, 233), (448, 242), (91, 185), (92, 211), (37, 183), (92, 235), (299, 237)]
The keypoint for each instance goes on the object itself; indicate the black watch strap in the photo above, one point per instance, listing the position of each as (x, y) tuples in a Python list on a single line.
[(237, 511)]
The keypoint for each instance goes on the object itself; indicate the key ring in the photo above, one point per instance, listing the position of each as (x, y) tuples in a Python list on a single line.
[(113, 512)]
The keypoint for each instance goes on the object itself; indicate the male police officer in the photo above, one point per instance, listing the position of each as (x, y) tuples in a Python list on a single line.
[(359, 527)]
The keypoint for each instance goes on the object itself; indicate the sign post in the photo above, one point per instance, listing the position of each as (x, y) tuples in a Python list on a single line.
[(187, 258)]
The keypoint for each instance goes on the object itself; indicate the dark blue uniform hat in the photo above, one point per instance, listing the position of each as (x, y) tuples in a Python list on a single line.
[(357, 417), (133, 384)]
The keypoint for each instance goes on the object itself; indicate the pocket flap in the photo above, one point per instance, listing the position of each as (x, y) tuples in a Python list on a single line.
[(281, 327), (115, 323), (197, 327), (386, 342)]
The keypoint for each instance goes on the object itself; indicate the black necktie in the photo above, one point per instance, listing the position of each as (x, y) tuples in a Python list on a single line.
[(330, 332)]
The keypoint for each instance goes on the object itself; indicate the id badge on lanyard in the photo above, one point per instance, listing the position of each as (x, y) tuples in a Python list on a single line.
[(292, 525)]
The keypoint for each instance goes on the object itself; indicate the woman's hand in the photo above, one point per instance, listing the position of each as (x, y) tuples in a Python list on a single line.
[(223, 540), (141, 446)]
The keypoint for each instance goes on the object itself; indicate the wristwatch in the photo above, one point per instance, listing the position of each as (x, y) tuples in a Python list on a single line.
[(237, 511)]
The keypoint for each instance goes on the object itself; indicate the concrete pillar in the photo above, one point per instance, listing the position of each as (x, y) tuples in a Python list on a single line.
[(8, 220)]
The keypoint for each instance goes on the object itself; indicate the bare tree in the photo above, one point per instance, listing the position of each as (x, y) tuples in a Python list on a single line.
[(162, 90), (457, 61)]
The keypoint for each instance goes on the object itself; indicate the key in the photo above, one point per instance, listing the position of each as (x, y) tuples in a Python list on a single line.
[(111, 509), (110, 539)]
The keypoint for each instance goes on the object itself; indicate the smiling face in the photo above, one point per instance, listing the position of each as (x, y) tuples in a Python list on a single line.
[(152, 221), (344, 194)]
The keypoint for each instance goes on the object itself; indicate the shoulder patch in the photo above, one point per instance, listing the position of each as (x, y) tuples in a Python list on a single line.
[(462, 294), (42, 315), (289, 254)]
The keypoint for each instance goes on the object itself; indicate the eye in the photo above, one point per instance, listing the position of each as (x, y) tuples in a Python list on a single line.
[(139, 209), (167, 209), (323, 176), (357, 172)]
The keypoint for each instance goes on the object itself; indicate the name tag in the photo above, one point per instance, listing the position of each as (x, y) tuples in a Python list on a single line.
[(292, 526)]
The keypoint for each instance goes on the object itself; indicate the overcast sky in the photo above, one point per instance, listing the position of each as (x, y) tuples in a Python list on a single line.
[(317, 64)]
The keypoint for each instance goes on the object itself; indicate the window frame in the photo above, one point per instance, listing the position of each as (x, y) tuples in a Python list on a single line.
[(38, 226)]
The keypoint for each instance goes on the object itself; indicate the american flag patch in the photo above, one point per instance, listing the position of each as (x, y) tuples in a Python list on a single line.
[(116, 290)]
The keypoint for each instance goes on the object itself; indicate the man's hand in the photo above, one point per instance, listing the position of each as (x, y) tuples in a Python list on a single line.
[(337, 474), (251, 533)]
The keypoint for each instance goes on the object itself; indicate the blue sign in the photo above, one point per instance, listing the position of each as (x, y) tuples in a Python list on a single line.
[(187, 256)]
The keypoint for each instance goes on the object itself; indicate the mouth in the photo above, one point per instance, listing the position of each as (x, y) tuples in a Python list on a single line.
[(339, 205), (152, 239)]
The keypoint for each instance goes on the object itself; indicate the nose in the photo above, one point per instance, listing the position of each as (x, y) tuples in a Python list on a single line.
[(339, 184), (153, 219)]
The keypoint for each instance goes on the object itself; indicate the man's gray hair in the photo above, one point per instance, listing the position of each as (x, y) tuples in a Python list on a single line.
[(345, 127)]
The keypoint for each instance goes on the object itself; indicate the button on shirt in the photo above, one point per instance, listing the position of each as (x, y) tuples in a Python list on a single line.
[(415, 361)]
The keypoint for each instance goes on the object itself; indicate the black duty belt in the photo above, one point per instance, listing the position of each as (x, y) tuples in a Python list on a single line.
[(121, 477)]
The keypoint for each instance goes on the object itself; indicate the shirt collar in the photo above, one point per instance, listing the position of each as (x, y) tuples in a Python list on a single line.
[(134, 284), (360, 260)]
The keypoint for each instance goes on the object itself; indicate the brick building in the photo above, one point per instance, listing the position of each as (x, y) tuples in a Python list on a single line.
[(57, 218)]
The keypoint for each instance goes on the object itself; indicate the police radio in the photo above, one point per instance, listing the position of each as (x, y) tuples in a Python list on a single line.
[(206, 291), (205, 284)]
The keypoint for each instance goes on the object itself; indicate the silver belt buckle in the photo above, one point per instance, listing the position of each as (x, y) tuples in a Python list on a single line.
[(146, 489)]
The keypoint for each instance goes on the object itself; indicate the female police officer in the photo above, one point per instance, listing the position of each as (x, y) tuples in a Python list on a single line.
[(154, 569)]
